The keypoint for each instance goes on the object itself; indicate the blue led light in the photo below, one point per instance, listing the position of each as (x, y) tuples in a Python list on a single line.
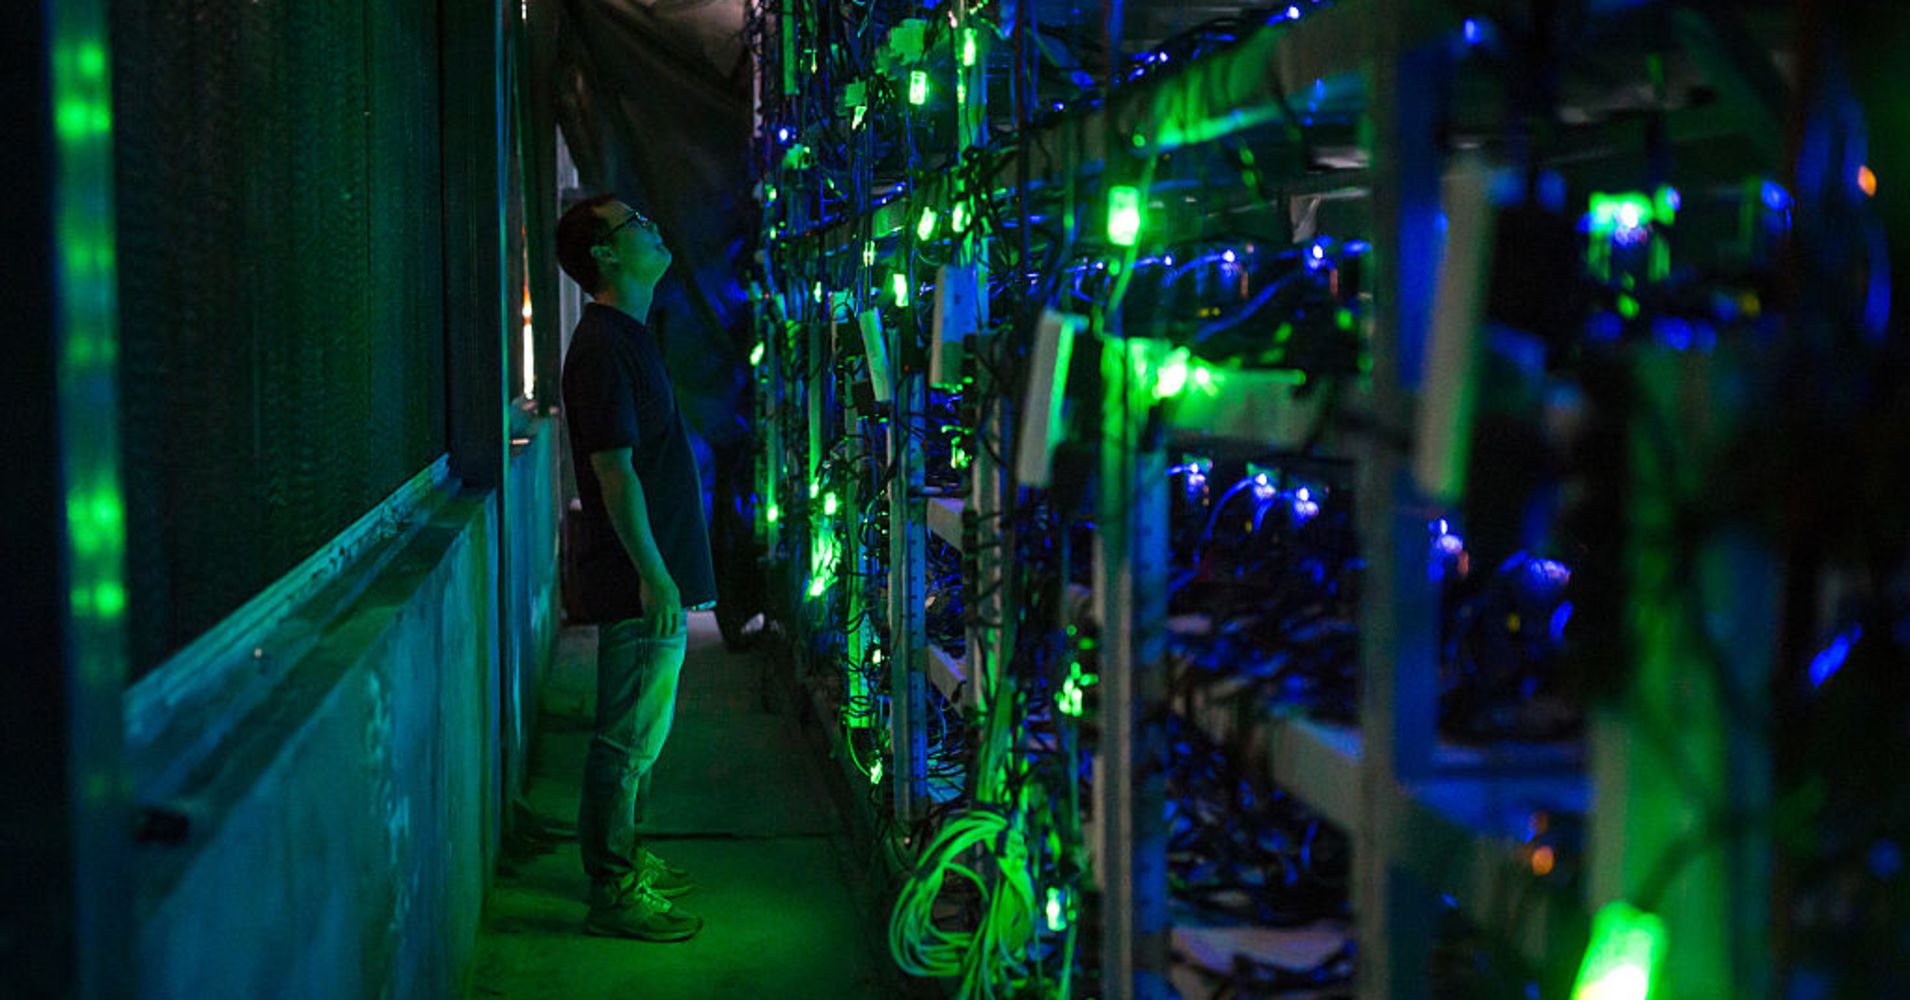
[(1548, 571), (1560, 616), (1775, 197), (1445, 543), (1293, 13), (782, 134), (1228, 256), (1825, 664), (1675, 333), (1473, 32)]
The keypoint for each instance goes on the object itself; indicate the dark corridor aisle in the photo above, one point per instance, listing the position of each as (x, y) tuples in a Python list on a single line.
[(739, 802)]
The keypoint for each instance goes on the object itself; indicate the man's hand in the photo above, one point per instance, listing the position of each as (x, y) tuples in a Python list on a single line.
[(662, 605)]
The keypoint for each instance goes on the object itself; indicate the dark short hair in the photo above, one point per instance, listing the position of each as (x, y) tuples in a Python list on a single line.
[(580, 229)]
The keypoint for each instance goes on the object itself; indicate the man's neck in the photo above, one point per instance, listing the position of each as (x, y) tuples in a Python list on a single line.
[(630, 298)]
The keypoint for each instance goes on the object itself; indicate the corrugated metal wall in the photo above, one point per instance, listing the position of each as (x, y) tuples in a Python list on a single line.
[(281, 302)]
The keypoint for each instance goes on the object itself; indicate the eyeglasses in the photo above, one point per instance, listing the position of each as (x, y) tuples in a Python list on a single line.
[(635, 216)]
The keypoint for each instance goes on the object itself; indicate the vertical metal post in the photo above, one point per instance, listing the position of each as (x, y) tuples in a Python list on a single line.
[(1394, 912), (67, 930), (769, 393), (542, 196), (908, 627), (1130, 780), (862, 565), (988, 647), (477, 328)]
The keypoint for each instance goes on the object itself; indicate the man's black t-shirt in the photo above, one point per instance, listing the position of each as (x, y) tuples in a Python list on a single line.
[(618, 395)]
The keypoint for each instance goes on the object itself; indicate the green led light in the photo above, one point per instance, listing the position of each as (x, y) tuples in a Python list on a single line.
[(1665, 204), (899, 284), (815, 489), (1627, 307), (1204, 380), (875, 773), (829, 505), (1124, 215), (1343, 319), (773, 514), (756, 355), (109, 599), (1613, 212), (816, 293), (925, 226), (1171, 379), (918, 87), (1057, 910), (958, 218), (868, 254), (1068, 702), (1619, 962), (968, 46), (822, 563), (958, 457)]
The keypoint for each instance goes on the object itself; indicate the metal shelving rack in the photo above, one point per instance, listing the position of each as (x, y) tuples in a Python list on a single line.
[(1433, 827)]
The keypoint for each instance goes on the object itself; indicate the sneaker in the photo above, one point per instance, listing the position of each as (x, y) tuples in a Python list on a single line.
[(663, 878), (640, 913)]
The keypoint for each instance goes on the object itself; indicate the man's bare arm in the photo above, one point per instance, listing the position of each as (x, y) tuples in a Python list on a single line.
[(630, 516)]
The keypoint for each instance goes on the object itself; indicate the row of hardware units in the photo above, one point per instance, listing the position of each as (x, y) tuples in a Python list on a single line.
[(1082, 355)]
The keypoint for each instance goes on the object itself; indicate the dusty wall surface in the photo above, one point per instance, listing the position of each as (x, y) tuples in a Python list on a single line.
[(342, 836)]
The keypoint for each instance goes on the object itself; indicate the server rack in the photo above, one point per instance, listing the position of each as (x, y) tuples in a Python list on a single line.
[(1435, 827)]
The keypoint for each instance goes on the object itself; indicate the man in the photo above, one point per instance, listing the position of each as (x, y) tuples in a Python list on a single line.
[(644, 557)]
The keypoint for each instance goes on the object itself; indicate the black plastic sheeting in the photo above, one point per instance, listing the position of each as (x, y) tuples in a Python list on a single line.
[(282, 366), (654, 103)]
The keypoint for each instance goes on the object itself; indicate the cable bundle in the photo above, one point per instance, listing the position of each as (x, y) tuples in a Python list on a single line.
[(990, 958)]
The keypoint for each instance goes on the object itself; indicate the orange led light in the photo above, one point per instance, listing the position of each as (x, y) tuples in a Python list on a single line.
[(1867, 181), (1542, 861)]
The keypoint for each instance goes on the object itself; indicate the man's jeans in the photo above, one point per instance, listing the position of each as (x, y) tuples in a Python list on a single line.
[(636, 701)]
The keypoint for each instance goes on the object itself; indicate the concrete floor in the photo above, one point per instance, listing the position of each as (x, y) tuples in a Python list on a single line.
[(740, 802)]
